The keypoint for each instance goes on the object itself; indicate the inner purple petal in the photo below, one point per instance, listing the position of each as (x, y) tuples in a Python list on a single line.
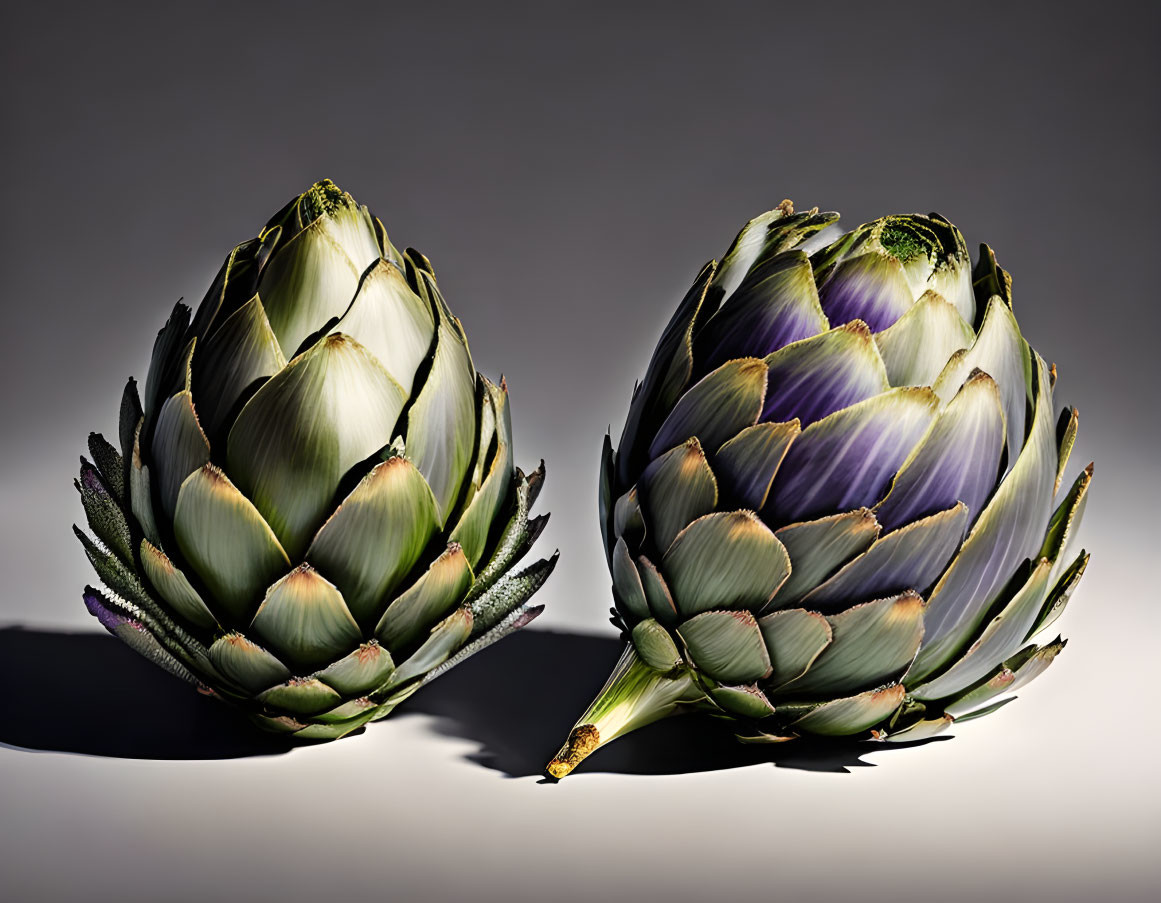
[(811, 395), (736, 332), (870, 288), (775, 305), (841, 470)]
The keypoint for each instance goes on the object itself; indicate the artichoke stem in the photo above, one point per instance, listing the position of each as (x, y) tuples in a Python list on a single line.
[(634, 696)]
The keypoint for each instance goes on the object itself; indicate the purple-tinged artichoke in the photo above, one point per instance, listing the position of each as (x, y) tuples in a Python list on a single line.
[(315, 510), (834, 506)]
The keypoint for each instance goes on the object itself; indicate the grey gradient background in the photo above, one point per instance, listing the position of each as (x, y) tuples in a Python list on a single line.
[(568, 168)]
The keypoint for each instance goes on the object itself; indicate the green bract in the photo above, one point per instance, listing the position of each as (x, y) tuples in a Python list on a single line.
[(835, 508), (314, 511)]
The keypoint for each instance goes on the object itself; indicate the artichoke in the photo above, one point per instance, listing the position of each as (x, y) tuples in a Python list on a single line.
[(832, 508), (314, 511)]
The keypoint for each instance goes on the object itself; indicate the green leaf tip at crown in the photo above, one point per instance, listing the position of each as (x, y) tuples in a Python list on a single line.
[(324, 198), (908, 237)]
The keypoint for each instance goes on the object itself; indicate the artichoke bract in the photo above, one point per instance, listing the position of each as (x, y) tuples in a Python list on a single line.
[(314, 510), (834, 508)]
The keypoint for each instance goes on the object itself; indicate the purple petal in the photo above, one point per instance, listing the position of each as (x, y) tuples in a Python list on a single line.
[(871, 288), (957, 461), (776, 304), (846, 460), (818, 376)]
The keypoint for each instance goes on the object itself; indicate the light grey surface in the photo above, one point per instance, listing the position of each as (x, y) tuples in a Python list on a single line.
[(568, 168)]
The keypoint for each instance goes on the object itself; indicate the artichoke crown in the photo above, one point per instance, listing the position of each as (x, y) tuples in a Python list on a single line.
[(315, 507), (832, 509)]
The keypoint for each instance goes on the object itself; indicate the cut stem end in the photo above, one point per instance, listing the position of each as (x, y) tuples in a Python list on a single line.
[(582, 741), (634, 696)]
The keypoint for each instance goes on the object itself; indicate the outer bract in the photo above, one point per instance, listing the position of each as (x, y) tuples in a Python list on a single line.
[(314, 511), (834, 509)]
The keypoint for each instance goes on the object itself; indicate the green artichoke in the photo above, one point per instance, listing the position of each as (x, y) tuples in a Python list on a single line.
[(314, 511), (832, 508)]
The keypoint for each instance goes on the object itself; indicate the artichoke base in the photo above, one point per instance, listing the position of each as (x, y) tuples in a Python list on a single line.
[(637, 694)]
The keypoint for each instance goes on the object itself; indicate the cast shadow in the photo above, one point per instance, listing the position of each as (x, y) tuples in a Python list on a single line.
[(519, 706), (91, 694)]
